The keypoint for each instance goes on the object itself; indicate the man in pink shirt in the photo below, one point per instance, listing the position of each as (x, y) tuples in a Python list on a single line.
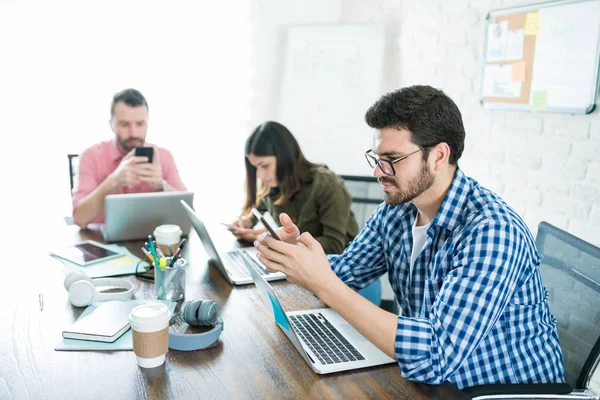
[(111, 167)]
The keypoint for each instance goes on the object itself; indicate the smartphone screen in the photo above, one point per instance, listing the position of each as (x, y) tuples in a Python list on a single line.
[(144, 151), (262, 219)]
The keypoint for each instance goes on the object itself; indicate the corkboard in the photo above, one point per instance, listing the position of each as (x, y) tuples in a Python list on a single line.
[(561, 57), (517, 21)]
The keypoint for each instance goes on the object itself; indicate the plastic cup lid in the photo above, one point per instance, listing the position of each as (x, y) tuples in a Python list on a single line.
[(150, 314), (167, 230)]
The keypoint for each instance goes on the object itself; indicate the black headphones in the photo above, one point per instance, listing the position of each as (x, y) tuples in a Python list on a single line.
[(197, 313)]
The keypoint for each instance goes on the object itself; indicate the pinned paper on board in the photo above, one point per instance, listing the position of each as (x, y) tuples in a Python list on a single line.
[(533, 21), (497, 82), (514, 45), (539, 100), (278, 313), (519, 71), (551, 58), (496, 43)]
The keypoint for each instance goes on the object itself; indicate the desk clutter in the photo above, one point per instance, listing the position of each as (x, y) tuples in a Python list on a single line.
[(113, 321), (94, 325), (105, 326), (169, 274), (83, 290), (125, 263)]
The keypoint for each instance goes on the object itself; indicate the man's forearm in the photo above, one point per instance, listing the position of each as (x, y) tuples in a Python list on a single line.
[(92, 205), (374, 323)]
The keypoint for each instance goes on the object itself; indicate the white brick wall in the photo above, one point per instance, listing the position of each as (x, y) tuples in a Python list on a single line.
[(546, 166)]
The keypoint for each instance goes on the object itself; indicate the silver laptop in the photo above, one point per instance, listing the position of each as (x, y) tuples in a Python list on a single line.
[(231, 264), (324, 339), (135, 215)]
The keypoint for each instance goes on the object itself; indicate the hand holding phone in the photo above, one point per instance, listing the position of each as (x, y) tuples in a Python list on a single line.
[(230, 227), (145, 151), (262, 219)]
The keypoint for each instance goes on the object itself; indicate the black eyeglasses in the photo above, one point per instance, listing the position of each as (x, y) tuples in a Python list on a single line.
[(387, 166), (144, 271)]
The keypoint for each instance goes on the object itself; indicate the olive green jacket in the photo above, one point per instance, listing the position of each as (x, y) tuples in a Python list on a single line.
[(321, 207)]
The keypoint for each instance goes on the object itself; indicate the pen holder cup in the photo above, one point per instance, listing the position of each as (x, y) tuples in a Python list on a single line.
[(169, 282)]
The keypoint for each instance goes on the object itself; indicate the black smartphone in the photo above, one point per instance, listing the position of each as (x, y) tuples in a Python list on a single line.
[(144, 151), (262, 219)]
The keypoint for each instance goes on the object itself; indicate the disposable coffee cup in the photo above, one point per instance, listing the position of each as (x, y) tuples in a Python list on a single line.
[(167, 238), (150, 328)]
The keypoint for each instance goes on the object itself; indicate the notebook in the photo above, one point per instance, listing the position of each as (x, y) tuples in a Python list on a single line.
[(125, 342), (106, 323)]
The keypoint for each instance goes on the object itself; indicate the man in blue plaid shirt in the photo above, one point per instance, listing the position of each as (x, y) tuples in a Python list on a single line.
[(461, 262)]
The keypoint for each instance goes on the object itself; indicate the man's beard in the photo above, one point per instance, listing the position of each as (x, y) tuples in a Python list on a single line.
[(129, 143), (414, 188)]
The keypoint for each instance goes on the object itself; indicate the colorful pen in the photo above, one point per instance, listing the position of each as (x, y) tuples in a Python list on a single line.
[(177, 253), (153, 250), (151, 242), (147, 253)]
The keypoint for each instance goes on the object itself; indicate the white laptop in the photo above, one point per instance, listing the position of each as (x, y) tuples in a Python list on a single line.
[(229, 262), (135, 215), (324, 339)]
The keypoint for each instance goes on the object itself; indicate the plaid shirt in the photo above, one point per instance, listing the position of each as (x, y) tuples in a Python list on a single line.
[(475, 310)]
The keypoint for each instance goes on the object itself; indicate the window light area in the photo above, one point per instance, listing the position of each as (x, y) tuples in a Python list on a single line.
[(63, 60)]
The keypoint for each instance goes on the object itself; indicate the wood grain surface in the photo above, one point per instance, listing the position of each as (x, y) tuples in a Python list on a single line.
[(253, 359)]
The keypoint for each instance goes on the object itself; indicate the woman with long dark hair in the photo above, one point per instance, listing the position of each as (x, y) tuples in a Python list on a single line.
[(280, 180)]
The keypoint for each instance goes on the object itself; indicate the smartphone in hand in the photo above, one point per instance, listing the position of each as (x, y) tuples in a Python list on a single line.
[(231, 227), (262, 219), (144, 151)]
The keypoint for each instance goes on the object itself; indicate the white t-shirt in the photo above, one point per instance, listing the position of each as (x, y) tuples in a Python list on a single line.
[(419, 238)]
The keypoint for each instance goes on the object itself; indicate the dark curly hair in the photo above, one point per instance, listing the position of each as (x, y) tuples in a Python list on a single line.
[(427, 113)]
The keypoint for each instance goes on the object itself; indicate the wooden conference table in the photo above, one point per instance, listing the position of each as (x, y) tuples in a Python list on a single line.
[(254, 358)]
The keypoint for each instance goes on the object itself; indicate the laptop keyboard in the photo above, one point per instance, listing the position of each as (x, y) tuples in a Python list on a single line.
[(326, 342), (238, 264)]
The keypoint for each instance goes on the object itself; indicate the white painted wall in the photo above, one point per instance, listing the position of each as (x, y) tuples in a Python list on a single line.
[(546, 166)]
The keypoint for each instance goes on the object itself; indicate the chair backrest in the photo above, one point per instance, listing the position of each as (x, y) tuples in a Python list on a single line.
[(570, 269), (591, 370), (366, 196), (73, 167)]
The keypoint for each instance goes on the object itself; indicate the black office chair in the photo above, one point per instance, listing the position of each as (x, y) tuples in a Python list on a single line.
[(571, 272), (73, 168), (366, 197)]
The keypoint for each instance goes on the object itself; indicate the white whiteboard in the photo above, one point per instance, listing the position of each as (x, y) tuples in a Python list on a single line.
[(566, 55), (331, 76), (566, 58)]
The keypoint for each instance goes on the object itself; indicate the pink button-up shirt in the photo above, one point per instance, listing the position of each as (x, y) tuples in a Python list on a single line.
[(99, 161)]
